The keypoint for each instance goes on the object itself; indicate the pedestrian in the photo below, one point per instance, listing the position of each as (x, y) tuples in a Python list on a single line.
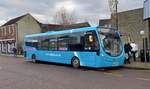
[(15, 51), (134, 50), (127, 48)]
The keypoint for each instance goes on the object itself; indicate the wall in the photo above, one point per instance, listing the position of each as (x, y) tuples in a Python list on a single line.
[(130, 24), (27, 25)]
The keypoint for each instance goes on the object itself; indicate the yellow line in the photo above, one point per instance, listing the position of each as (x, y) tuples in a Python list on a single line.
[(143, 79)]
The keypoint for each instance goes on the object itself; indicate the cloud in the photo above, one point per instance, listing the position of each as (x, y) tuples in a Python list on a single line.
[(44, 10), (2, 21), (129, 4)]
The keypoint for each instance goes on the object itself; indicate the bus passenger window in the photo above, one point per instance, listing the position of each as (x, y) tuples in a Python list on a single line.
[(32, 44), (91, 42), (52, 44), (43, 45), (63, 43), (76, 41)]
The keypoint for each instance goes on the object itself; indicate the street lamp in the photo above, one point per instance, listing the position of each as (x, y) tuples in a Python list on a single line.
[(113, 4), (142, 33), (117, 14)]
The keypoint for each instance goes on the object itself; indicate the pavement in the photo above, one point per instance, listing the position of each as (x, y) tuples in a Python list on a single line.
[(138, 65), (11, 55), (133, 65)]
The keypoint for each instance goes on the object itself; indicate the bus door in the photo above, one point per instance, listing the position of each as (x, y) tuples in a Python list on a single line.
[(91, 48)]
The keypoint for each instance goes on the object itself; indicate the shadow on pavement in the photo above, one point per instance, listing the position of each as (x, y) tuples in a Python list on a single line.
[(81, 68)]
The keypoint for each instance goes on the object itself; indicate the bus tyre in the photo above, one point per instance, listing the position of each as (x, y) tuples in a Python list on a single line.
[(75, 62), (33, 58)]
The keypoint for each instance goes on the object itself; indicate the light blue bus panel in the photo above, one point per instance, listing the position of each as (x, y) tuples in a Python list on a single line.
[(90, 46)]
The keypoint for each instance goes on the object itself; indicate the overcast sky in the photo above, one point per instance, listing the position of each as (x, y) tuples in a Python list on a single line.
[(44, 10)]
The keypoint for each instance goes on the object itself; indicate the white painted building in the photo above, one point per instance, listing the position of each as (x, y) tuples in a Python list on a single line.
[(13, 32)]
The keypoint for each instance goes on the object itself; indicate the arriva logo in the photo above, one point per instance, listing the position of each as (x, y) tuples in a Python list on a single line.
[(51, 54)]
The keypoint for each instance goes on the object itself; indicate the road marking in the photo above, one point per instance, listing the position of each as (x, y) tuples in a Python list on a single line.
[(143, 79), (114, 74), (0, 68)]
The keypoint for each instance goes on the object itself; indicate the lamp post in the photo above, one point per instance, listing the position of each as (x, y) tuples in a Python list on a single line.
[(142, 33), (149, 32), (113, 4), (116, 14)]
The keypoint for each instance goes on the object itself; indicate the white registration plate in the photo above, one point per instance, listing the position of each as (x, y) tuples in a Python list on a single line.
[(115, 64)]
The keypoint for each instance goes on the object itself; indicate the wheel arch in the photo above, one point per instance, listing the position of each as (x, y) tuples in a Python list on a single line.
[(74, 58), (33, 55)]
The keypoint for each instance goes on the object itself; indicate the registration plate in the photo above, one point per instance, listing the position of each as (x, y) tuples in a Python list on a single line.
[(115, 64)]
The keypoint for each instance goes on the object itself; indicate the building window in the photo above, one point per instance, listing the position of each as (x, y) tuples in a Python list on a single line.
[(11, 29), (4, 32), (0, 32), (7, 30)]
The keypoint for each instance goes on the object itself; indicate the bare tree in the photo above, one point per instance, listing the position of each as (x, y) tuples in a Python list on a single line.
[(64, 17)]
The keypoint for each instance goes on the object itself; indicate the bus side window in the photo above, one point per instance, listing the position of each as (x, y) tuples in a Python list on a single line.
[(43, 44), (52, 44), (63, 43), (32, 44), (91, 41), (76, 42)]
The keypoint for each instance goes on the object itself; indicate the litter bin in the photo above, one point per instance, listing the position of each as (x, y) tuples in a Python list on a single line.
[(147, 56), (142, 55)]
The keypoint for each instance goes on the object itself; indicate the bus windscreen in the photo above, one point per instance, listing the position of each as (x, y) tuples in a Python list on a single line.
[(111, 41)]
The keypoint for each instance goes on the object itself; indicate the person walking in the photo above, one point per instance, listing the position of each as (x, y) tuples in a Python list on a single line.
[(134, 50), (15, 51), (127, 48)]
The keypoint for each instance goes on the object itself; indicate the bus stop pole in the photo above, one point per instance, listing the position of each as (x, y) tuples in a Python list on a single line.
[(144, 49), (142, 33)]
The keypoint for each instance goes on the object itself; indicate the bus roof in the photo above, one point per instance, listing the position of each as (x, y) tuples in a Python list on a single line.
[(61, 32)]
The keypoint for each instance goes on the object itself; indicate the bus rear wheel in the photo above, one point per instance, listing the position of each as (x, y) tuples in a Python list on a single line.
[(75, 62), (33, 58)]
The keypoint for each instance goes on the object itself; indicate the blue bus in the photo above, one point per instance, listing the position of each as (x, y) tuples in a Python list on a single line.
[(97, 47)]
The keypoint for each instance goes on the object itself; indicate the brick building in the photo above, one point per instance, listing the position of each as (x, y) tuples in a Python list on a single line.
[(13, 31), (130, 23)]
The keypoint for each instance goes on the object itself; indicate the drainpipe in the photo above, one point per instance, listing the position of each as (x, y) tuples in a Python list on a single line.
[(149, 32), (16, 28)]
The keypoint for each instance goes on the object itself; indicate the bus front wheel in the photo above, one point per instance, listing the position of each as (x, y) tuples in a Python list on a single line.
[(75, 62), (33, 58)]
